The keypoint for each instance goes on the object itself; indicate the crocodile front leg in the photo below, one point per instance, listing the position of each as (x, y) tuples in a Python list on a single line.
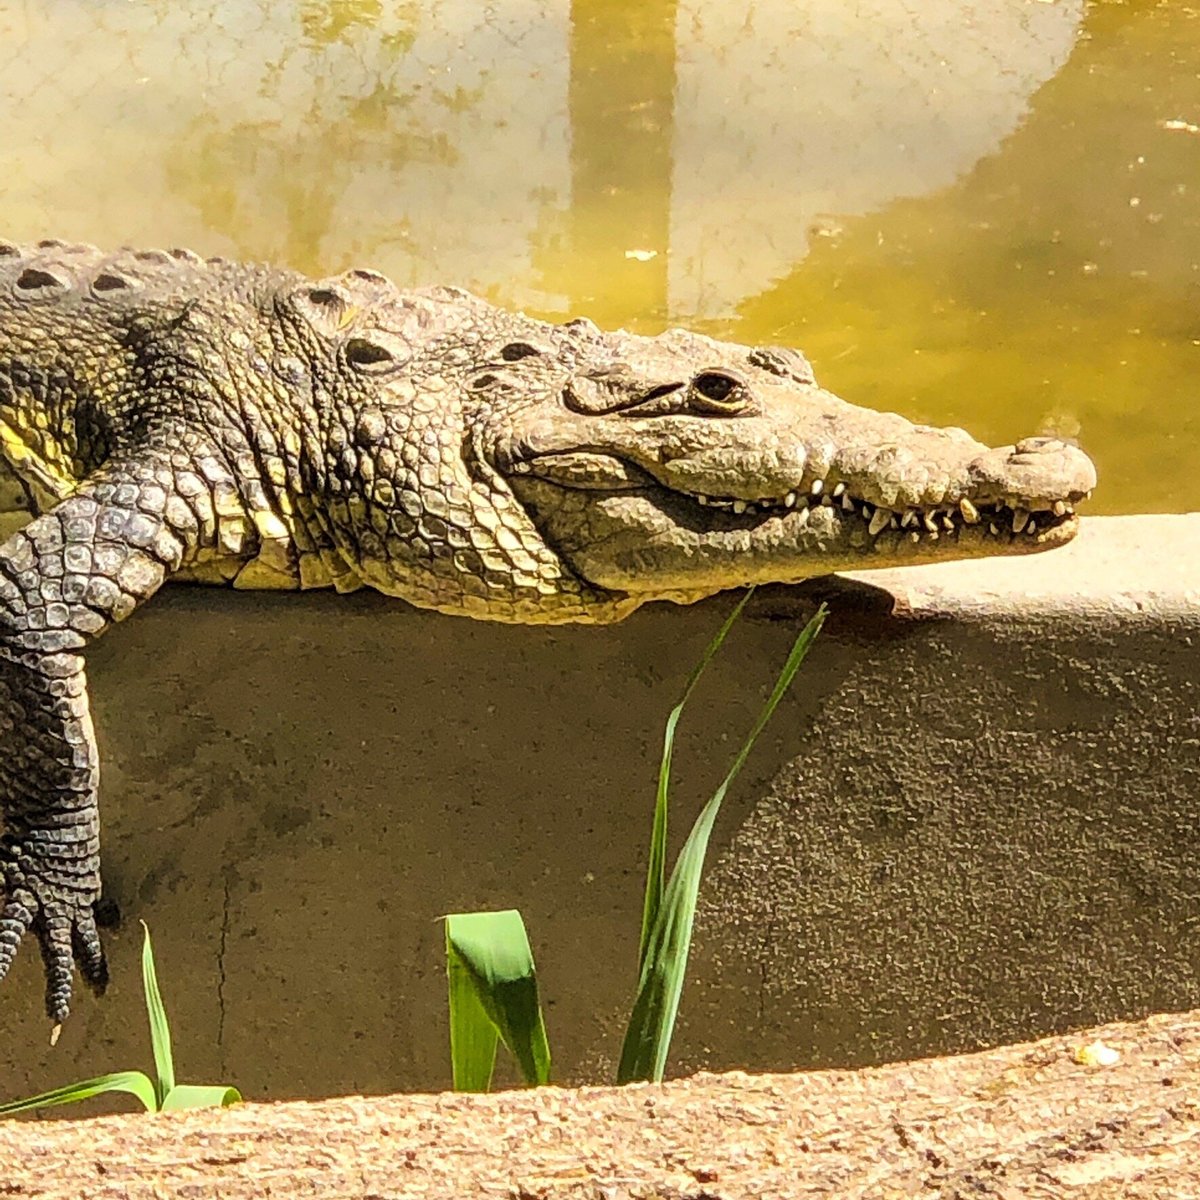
[(63, 580)]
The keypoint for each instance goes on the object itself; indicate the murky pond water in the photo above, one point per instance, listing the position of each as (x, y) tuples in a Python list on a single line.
[(980, 213)]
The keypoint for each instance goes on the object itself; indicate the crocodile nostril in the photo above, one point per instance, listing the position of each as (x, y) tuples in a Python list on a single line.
[(1034, 445)]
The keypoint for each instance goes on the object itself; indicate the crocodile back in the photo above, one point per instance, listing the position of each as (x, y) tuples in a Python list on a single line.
[(72, 319)]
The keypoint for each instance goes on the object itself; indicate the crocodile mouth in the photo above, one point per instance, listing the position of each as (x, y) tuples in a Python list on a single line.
[(1014, 522), (1004, 520)]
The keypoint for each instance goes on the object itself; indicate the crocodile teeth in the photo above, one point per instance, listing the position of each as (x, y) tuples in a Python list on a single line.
[(739, 507), (789, 501), (933, 522), (701, 499), (914, 537), (818, 486)]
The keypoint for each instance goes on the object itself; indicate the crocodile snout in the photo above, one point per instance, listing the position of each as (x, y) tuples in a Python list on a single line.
[(1034, 473)]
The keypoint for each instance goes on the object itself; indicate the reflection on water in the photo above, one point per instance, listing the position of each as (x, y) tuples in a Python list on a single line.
[(858, 105), (978, 213)]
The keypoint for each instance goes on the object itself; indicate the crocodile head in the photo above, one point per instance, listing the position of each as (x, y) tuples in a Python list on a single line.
[(675, 466)]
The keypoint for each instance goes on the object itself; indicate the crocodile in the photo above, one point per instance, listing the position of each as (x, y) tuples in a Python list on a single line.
[(173, 416)]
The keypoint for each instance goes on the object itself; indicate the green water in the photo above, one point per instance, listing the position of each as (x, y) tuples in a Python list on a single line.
[(977, 212)]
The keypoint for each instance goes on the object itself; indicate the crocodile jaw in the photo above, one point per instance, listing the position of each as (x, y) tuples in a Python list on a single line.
[(623, 529)]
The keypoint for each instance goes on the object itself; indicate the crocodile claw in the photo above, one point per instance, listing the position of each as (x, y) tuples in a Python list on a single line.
[(64, 923)]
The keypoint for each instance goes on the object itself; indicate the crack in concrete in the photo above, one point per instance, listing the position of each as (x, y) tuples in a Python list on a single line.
[(224, 941)]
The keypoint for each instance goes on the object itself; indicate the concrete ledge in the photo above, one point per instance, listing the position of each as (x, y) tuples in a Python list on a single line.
[(1042, 1120), (1117, 566), (972, 823)]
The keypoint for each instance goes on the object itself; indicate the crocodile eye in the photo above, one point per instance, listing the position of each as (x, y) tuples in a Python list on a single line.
[(718, 391)]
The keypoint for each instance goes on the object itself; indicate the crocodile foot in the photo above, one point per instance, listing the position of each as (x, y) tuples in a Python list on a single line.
[(62, 918)]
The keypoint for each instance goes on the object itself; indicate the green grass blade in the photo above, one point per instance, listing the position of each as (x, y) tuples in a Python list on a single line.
[(648, 1037), (656, 870), (490, 955), (160, 1031), (132, 1082), (192, 1095), (473, 1036)]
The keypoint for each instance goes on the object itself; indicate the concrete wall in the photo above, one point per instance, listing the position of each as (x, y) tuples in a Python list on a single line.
[(972, 821)]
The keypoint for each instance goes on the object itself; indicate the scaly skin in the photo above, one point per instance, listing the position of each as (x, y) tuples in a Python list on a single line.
[(170, 416)]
